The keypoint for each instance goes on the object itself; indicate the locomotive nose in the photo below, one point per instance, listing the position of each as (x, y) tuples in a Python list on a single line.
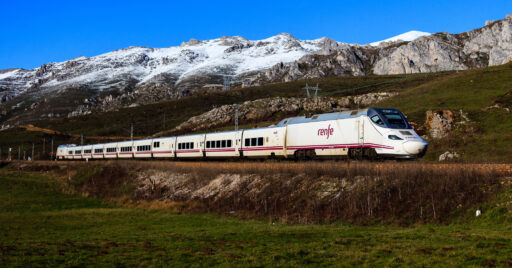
[(415, 147)]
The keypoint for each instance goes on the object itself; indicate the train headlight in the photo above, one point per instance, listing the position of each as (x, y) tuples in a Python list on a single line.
[(394, 137)]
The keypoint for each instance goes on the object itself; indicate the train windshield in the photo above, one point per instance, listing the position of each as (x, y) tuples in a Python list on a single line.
[(393, 118)]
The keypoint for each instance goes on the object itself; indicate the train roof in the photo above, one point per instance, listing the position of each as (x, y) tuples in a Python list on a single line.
[(322, 117), (66, 145)]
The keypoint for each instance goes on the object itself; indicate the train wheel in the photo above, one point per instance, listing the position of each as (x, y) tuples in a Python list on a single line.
[(370, 154), (300, 155)]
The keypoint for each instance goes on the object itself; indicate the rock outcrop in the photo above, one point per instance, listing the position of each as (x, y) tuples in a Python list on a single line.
[(441, 122), (448, 156)]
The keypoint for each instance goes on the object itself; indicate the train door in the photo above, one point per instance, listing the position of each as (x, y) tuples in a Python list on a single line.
[(360, 130)]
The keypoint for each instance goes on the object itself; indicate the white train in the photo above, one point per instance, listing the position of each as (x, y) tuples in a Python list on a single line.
[(360, 134)]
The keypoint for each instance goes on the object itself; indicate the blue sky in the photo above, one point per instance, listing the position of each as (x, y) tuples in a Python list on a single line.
[(36, 32)]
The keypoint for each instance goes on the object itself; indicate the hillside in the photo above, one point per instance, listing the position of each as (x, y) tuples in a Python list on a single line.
[(486, 137)]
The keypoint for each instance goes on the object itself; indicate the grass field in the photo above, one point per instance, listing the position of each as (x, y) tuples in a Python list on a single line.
[(41, 225)]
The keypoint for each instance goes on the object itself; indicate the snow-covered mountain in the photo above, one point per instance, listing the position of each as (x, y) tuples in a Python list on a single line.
[(408, 36), (142, 65), (139, 75)]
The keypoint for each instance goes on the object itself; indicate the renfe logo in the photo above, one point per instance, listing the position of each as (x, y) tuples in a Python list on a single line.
[(326, 131)]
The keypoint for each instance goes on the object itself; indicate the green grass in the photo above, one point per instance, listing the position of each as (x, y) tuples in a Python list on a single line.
[(39, 225)]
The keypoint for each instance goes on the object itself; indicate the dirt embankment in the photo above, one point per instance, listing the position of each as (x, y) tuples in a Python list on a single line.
[(402, 193)]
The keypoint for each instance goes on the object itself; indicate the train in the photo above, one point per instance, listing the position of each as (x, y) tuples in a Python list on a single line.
[(372, 133)]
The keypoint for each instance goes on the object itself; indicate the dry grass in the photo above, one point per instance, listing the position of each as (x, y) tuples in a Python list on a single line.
[(308, 192)]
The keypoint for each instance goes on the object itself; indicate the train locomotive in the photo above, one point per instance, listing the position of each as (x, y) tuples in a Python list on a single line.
[(373, 133)]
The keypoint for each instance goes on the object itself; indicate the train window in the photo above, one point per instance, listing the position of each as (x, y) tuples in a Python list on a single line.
[(70, 152), (78, 152), (377, 120), (87, 151), (156, 144), (260, 141), (229, 143), (96, 151), (224, 144), (207, 144), (144, 148), (254, 141), (247, 142), (191, 145), (217, 143)]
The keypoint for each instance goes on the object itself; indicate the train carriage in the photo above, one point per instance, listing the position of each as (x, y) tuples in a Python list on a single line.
[(142, 148), (191, 146), (98, 151), (77, 152), (87, 152), (163, 147), (223, 144), (65, 151), (263, 142), (323, 135), (125, 149), (110, 150)]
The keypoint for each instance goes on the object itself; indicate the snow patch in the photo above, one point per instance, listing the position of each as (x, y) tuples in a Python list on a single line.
[(7, 74), (408, 36)]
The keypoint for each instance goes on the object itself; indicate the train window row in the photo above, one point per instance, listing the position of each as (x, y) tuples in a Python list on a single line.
[(156, 144), (219, 144), (78, 152), (126, 149), (144, 148), (111, 150), (254, 141), (87, 151), (96, 151), (185, 145)]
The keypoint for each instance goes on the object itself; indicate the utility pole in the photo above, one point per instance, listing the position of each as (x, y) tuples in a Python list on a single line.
[(236, 117), (32, 152), (131, 132), (227, 82), (81, 139), (51, 154), (9, 158)]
